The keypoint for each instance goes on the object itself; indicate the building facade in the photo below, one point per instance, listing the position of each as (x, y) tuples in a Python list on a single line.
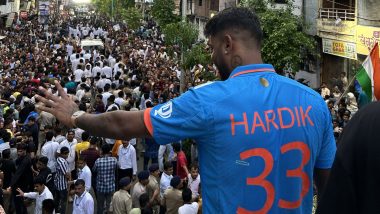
[(348, 30)]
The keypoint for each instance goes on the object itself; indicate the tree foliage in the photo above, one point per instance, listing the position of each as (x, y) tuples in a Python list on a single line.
[(120, 8), (162, 12), (133, 17), (285, 43), (197, 55), (183, 34)]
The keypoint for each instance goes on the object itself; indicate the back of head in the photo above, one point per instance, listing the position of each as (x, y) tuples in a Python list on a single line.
[(144, 199), (106, 149), (49, 135), (235, 19), (186, 195), (146, 210), (48, 206), (39, 180), (85, 136), (176, 147), (6, 154)]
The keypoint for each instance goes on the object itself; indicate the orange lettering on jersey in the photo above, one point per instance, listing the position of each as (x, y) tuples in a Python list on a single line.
[(297, 117), (270, 120), (256, 117), (244, 122), (306, 116), (280, 117)]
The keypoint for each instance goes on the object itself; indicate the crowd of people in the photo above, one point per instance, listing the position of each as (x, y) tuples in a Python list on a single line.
[(342, 102), (65, 169), (52, 168)]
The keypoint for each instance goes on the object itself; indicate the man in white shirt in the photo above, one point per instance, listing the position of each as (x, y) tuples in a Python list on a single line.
[(106, 94), (87, 55), (84, 173), (127, 161), (42, 193), (194, 180), (87, 71), (83, 201), (96, 70), (78, 73), (49, 150), (166, 177), (69, 49), (188, 207), (120, 98), (107, 70), (70, 143)]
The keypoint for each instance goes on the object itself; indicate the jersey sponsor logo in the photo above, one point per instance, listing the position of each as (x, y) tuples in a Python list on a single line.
[(165, 111)]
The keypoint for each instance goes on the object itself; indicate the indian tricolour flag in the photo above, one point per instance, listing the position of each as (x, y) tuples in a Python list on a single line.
[(368, 75)]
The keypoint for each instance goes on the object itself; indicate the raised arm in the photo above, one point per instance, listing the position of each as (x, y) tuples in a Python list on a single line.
[(117, 124)]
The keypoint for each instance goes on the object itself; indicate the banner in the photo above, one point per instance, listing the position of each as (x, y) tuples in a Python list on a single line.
[(366, 37), (339, 48), (44, 8)]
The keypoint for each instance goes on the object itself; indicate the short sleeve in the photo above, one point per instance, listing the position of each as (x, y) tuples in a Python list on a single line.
[(180, 118), (326, 154)]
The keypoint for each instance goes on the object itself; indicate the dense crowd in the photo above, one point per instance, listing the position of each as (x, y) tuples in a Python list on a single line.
[(342, 102), (68, 169)]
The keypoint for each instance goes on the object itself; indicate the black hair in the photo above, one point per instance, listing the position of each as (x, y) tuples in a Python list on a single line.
[(49, 135), (79, 182), (144, 199), (194, 166), (176, 147), (5, 135), (146, 210), (94, 140), (71, 131), (106, 148), (6, 154), (120, 94), (85, 136), (48, 205), (39, 180), (186, 195), (235, 18), (23, 146), (64, 150), (168, 165)]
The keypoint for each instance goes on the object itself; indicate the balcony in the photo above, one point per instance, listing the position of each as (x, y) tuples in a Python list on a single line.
[(337, 14)]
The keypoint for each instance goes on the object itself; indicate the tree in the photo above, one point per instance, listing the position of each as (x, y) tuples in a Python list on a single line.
[(285, 44), (132, 16), (184, 35), (119, 10), (162, 12), (199, 55)]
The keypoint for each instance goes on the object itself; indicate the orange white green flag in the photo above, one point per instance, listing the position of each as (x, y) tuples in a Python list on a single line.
[(368, 75)]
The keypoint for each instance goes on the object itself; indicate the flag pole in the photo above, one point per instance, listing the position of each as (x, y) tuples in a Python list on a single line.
[(345, 91)]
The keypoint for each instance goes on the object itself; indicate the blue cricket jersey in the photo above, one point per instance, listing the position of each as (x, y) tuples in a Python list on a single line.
[(259, 135)]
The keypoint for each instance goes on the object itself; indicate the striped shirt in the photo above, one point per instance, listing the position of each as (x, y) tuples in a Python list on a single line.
[(105, 168), (60, 180)]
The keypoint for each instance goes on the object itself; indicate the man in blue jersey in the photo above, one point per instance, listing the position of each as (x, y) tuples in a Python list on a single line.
[(264, 135)]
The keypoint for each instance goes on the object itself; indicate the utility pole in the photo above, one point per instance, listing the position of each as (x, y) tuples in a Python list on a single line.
[(143, 8), (112, 10), (184, 6), (182, 79)]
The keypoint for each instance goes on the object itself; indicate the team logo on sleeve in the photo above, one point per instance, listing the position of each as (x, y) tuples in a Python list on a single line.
[(165, 111)]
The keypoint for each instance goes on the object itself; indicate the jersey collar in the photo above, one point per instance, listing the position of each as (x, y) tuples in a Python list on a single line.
[(253, 68)]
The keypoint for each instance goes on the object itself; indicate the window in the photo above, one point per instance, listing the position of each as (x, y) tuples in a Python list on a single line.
[(200, 3)]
